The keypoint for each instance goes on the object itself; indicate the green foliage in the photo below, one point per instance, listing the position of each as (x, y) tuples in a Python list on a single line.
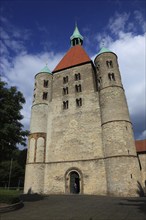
[(11, 129), (9, 196), (17, 171), (11, 134)]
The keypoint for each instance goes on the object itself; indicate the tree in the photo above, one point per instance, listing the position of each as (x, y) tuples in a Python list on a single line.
[(11, 128)]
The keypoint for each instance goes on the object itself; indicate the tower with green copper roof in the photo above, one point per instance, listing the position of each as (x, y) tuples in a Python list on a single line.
[(76, 38), (117, 134), (45, 70)]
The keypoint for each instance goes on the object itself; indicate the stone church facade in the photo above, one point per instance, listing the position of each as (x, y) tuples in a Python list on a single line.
[(81, 138)]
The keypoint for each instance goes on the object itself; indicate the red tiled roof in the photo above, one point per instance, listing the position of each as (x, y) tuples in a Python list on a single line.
[(140, 145), (76, 55)]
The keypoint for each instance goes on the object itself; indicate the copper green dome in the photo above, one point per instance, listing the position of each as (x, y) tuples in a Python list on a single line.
[(76, 34), (45, 70), (76, 38), (103, 50)]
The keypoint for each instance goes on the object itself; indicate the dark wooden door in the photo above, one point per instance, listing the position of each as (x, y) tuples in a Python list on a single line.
[(74, 182)]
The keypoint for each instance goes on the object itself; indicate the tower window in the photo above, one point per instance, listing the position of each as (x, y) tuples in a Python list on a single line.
[(77, 76), (45, 95), (79, 102), (109, 64), (111, 76), (34, 97), (78, 88), (99, 81), (65, 79), (65, 104), (65, 91), (46, 82)]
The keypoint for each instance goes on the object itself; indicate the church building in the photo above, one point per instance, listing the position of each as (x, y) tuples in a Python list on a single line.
[(81, 137)]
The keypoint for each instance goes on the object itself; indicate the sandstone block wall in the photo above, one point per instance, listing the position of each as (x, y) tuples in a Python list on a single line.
[(34, 181), (76, 131), (92, 177)]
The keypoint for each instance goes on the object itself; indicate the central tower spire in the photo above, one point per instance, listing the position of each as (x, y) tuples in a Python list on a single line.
[(76, 38)]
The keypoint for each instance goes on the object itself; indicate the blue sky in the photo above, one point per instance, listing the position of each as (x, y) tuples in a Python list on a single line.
[(35, 32)]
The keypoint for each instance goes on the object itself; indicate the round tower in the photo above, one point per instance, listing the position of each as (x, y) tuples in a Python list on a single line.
[(122, 169), (38, 129)]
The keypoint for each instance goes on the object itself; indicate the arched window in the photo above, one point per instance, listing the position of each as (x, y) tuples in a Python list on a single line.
[(65, 91), (77, 76), (111, 76), (78, 88), (109, 63), (79, 102), (46, 82), (45, 95), (65, 104), (65, 79)]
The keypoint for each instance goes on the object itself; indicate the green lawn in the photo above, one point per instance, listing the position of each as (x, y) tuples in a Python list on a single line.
[(9, 196)]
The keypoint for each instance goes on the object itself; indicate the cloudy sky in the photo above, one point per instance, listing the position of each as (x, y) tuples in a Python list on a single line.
[(36, 32)]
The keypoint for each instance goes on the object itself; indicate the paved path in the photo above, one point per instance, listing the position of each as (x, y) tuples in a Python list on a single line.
[(80, 207)]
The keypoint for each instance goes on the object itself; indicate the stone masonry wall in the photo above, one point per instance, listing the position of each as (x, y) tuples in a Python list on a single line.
[(93, 180), (75, 132)]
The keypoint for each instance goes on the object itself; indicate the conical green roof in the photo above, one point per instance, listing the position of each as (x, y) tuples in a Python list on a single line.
[(103, 50), (45, 70), (76, 34)]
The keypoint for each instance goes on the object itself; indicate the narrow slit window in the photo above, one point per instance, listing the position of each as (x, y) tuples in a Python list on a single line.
[(65, 104), (34, 97), (65, 79), (65, 91), (99, 81), (79, 102), (46, 83), (78, 88), (45, 95), (109, 76), (113, 76), (111, 64)]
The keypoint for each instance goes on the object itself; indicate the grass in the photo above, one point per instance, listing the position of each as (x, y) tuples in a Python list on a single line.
[(9, 196)]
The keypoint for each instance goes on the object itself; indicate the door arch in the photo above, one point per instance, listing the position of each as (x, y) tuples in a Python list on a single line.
[(73, 182)]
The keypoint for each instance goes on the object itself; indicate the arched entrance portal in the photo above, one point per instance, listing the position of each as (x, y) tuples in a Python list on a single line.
[(74, 182)]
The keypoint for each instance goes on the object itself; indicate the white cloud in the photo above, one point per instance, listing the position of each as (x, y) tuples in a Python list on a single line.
[(131, 55), (142, 136), (118, 22), (130, 49), (21, 73)]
